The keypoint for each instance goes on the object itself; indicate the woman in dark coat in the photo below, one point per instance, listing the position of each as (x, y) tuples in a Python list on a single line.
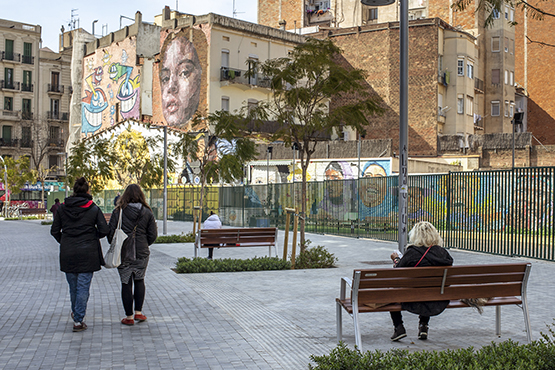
[(78, 226), (139, 224), (425, 249)]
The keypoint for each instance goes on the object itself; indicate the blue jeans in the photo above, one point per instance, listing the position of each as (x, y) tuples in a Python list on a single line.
[(79, 285)]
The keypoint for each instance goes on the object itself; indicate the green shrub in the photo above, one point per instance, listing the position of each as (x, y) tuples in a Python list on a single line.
[(181, 238), (315, 258), (22, 218), (508, 355), (46, 222), (198, 264)]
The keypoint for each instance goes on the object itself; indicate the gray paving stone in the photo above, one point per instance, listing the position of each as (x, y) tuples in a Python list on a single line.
[(250, 320)]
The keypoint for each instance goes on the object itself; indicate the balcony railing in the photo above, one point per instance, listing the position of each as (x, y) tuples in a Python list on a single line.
[(27, 87), (242, 77), (27, 59), (14, 57), (55, 142), (26, 143), (10, 113), (9, 85), (9, 142), (58, 116), (56, 88), (27, 115)]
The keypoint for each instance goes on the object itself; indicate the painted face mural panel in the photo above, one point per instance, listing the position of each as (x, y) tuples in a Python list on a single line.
[(181, 76), (111, 87)]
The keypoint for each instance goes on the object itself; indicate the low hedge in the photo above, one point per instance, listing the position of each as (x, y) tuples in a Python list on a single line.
[(199, 264), (508, 355), (181, 238)]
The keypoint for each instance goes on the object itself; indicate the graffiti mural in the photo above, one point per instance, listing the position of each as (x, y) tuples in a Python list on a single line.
[(182, 75), (111, 87)]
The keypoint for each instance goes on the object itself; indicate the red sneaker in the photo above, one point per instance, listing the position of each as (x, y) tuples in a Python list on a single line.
[(80, 327), (127, 321), (140, 317)]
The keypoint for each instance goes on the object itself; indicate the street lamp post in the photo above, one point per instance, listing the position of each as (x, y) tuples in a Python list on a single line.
[(65, 170), (403, 112), (165, 196)]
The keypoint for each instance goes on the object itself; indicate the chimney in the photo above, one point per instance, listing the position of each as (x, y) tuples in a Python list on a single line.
[(282, 24), (167, 13)]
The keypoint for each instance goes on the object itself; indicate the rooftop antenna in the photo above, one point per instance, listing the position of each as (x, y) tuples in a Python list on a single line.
[(74, 20), (235, 12)]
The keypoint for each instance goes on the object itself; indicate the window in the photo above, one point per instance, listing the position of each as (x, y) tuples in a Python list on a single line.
[(26, 81), (369, 15), (495, 14), (7, 132), (54, 132), (460, 67), (511, 78), (506, 108), (511, 15), (495, 108), (225, 103), (440, 100), (506, 44), (470, 70), (506, 77), (9, 49), (225, 38), (55, 81), (506, 12), (8, 103), (27, 53), (8, 77), (26, 106), (251, 104), (511, 109), (512, 46), (495, 44), (440, 64), (26, 137), (52, 161), (225, 58), (495, 76), (55, 107), (460, 104), (469, 105)]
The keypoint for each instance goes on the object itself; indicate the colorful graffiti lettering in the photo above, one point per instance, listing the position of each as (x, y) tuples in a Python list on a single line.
[(106, 59), (128, 92)]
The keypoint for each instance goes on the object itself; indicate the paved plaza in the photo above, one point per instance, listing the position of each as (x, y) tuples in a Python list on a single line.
[(241, 320)]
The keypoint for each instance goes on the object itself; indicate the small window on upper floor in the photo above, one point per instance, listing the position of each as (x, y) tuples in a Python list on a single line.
[(495, 44), (251, 104), (470, 70), (469, 105), (506, 77), (225, 103), (495, 108), (460, 67), (495, 14), (225, 38), (511, 78), (511, 15), (506, 44), (506, 12), (460, 104), (225, 58), (8, 103), (495, 76)]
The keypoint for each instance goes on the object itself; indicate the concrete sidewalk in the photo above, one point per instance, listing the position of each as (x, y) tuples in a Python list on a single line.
[(247, 320)]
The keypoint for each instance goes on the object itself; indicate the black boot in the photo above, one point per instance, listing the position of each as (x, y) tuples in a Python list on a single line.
[(399, 333), (422, 331)]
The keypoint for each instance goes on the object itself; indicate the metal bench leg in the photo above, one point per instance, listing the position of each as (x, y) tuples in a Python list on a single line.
[(358, 336), (270, 251), (339, 321), (526, 321), (498, 321)]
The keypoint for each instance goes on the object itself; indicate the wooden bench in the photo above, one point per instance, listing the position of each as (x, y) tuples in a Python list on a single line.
[(237, 237), (371, 288), (32, 212)]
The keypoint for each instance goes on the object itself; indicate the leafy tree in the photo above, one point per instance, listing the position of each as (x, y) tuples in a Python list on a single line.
[(18, 172), (303, 84), (40, 148), (220, 153)]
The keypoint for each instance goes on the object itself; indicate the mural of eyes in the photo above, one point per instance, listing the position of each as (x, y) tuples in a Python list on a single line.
[(92, 106)]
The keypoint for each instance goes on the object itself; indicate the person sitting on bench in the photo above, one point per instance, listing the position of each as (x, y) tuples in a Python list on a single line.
[(425, 249), (212, 222)]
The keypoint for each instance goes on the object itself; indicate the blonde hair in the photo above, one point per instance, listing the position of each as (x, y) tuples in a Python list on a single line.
[(424, 234)]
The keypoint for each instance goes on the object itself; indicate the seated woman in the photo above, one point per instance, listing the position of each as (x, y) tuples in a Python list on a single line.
[(425, 249)]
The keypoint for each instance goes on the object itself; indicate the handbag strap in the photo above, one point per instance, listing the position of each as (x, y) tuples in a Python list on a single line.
[(120, 215), (421, 258)]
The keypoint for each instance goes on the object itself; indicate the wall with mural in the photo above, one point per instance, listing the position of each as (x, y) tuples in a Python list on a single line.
[(180, 77), (111, 86)]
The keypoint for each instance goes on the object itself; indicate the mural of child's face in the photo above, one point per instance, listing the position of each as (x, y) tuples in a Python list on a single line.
[(180, 78)]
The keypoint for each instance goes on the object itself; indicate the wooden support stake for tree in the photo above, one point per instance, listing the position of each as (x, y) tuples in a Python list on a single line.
[(286, 239), (294, 246)]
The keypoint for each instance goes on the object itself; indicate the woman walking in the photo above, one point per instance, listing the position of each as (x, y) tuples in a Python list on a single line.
[(139, 224), (78, 226)]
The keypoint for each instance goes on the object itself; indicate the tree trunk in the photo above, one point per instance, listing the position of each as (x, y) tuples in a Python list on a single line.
[(304, 168)]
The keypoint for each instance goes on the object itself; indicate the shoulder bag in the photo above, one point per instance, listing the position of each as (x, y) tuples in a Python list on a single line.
[(113, 256)]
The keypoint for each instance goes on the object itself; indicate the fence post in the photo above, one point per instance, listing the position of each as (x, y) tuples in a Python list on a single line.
[(294, 246), (286, 238)]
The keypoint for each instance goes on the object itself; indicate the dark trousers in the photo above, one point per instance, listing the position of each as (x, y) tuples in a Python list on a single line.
[(397, 318), (128, 296), (211, 250)]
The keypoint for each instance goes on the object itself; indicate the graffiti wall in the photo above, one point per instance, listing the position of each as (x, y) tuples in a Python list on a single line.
[(111, 87), (180, 77)]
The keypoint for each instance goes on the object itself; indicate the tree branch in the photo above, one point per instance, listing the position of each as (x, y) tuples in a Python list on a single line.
[(539, 42)]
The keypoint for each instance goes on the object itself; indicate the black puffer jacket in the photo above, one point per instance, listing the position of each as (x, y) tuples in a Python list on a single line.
[(78, 226), (135, 214), (436, 256)]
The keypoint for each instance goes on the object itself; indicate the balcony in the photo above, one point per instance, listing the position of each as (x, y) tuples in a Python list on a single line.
[(14, 114), (11, 57), (57, 116), (55, 89), (9, 143), (27, 59), (9, 85), (241, 77), (27, 87), (28, 116), (55, 142)]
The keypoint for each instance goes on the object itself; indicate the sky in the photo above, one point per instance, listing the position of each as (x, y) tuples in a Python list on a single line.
[(51, 15)]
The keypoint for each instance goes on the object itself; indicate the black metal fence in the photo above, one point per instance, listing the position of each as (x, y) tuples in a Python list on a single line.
[(505, 212)]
